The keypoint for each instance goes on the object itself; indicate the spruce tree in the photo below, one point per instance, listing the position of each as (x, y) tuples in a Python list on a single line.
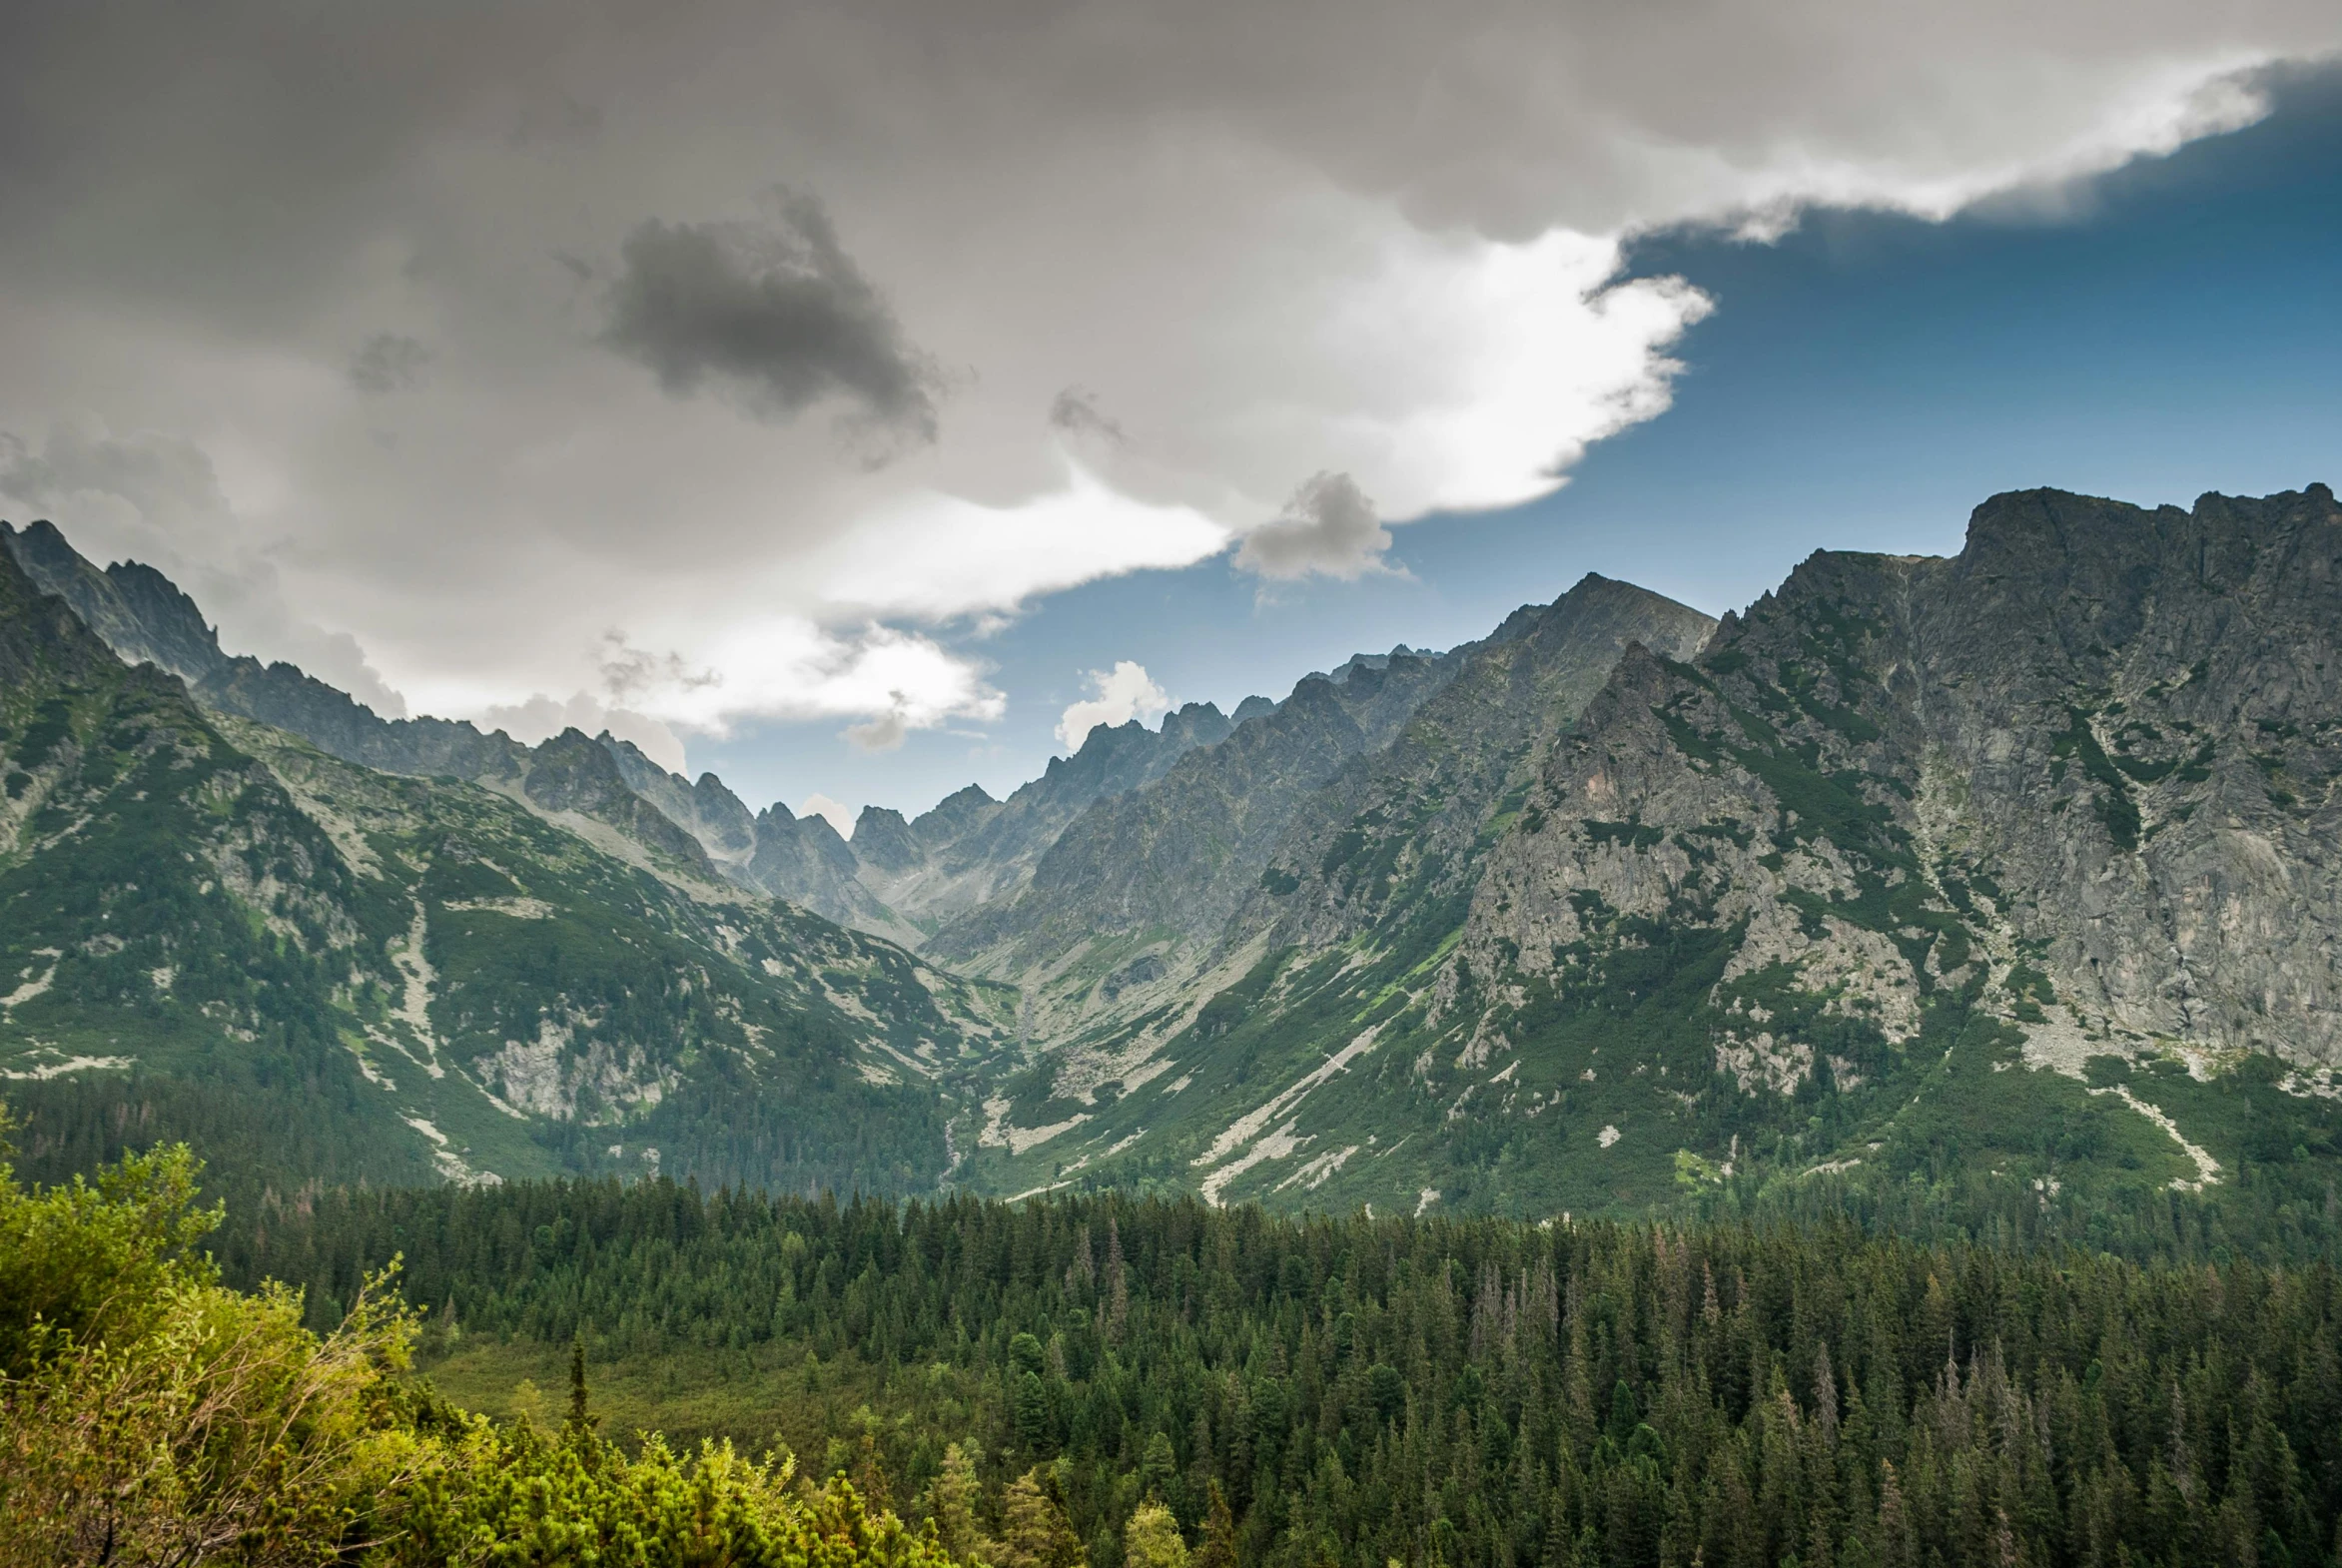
[(1219, 1547)]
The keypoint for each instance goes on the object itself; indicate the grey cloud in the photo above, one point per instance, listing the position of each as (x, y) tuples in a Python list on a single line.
[(157, 498), (1074, 411), (1330, 528), (775, 309), (1485, 114), (168, 479), (628, 671), (886, 732), (388, 363)]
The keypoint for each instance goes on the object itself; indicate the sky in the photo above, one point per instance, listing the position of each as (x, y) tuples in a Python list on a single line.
[(863, 399)]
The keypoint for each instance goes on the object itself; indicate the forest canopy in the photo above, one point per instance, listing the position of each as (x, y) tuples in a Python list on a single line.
[(1362, 1390)]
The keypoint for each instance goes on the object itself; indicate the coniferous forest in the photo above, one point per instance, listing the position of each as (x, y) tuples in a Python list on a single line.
[(1469, 1393)]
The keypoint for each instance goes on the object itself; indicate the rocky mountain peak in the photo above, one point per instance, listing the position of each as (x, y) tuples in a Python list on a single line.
[(954, 816), (883, 840), (137, 611), (1196, 724)]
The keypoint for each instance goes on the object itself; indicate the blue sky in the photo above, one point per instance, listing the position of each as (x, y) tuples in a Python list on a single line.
[(2172, 328)]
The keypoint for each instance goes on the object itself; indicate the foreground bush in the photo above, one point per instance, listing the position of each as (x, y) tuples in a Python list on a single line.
[(149, 1416)]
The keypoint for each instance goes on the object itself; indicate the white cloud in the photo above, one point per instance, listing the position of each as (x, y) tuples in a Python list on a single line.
[(937, 557), (1116, 696), (766, 667), (840, 814)]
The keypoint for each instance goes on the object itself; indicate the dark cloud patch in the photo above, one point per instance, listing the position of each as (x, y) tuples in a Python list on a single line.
[(165, 479), (1330, 527), (628, 671), (388, 363), (1075, 412), (778, 313)]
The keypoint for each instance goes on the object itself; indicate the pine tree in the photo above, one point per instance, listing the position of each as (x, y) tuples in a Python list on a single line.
[(1030, 1412), (1117, 1286), (870, 1475)]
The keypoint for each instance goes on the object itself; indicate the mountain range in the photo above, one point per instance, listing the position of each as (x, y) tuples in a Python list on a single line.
[(2004, 877)]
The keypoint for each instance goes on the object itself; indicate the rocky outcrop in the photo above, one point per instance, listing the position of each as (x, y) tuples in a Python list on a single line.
[(970, 852), (138, 612), (707, 810), (2088, 764), (574, 774), (1402, 828), (803, 860), (1408, 749)]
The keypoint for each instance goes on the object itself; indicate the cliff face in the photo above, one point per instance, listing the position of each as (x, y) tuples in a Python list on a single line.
[(2095, 752), (1406, 826), (1350, 818), (707, 810), (1176, 855)]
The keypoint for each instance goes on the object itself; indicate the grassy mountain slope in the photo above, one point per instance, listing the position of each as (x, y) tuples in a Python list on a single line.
[(213, 923)]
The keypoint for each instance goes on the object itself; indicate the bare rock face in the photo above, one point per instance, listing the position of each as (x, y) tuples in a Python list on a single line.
[(971, 851), (707, 810), (571, 773), (1404, 825), (1180, 854), (2087, 768)]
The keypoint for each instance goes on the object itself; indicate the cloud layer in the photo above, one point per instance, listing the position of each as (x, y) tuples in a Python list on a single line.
[(461, 341)]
